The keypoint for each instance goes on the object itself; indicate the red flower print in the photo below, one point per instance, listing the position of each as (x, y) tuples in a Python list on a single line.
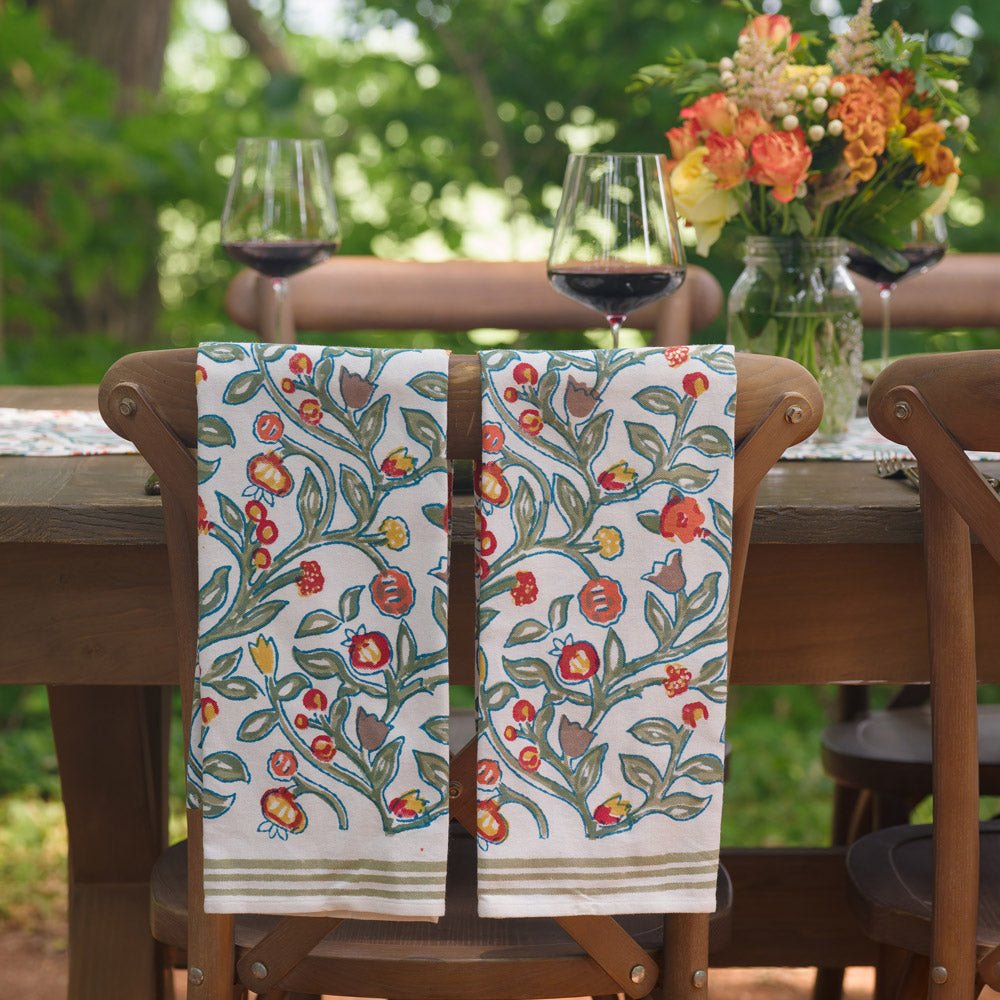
[(369, 651), (409, 805), (678, 679), (524, 711), (310, 580), (287, 385), (300, 364), (482, 569), (601, 601), (613, 810), (529, 758), (682, 518), (322, 748), (487, 543), (525, 591), (693, 713), (490, 823), (204, 524), (268, 428), (282, 764), (397, 464), (267, 532), (261, 558), (493, 438), (578, 661), (256, 511), (314, 700), (492, 485), (209, 710), (487, 773), (525, 374), (617, 477), (676, 356), (510, 394), (269, 473), (531, 422), (279, 806), (695, 383), (392, 592), (311, 411), (200, 374), (510, 733), (301, 721)]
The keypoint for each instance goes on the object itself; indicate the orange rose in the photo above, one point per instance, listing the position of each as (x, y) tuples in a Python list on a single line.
[(902, 81), (727, 159), (749, 125), (712, 113), (780, 160), (683, 138), (913, 118), (923, 142), (682, 518), (939, 166), (773, 29), (862, 164)]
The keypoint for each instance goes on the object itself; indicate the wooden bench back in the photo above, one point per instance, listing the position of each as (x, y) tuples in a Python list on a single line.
[(365, 293)]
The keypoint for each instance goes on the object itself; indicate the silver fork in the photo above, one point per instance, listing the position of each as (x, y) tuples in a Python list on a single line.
[(889, 466), (913, 477)]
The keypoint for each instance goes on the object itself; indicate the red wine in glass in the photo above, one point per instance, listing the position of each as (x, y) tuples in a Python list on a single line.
[(280, 259), (616, 244), (928, 241), (280, 215)]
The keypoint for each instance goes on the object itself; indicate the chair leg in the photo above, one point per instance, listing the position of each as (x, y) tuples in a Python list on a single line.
[(913, 985), (685, 957)]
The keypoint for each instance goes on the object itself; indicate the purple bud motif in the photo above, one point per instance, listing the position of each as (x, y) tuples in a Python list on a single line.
[(668, 575), (573, 738), (355, 389), (580, 398), (372, 731)]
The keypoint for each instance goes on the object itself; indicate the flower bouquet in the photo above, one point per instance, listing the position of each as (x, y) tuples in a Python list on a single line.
[(812, 146)]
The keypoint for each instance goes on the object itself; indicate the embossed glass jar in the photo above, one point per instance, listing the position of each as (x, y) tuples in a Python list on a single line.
[(795, 298)]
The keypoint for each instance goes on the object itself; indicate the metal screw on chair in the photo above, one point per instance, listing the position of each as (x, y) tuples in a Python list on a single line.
[(699, 979), (794, 414), (195, 976), (258, 970), (902, 410), (127, 406), (637, 973), (939, 975)]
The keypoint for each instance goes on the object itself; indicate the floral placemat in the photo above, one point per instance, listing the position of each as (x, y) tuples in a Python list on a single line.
[(858, 444), (58, 433)]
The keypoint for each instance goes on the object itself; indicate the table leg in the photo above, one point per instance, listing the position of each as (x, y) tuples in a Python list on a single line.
[(112, 747)]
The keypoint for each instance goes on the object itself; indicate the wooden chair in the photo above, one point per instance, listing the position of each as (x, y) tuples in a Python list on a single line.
[(365, 293), (150, 399), (915, 887)]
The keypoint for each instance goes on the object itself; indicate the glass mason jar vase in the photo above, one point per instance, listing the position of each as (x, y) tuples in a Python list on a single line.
[(796, 299)]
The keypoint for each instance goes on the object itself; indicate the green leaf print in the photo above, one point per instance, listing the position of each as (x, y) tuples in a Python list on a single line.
[(430, 385), (257, 725), (355, 492), (525, 512), (529, 630), (588, 771), (223, 352), (437, 728), (372, 424), (711, 441), (559, 612), (659, 400), (529, 672), (260, 615), (570, 504), (646, 442), (689, 478), (214, 432), (214, 593), (222, 665), (317, 623), (243, 388), (224, 765), (433, 769), (593, 435), (406, 650), (350, 603), (658, 619), (496, 697), (206, 469), (234, 688), (309, 501), (290, 687), (657, 732), (321, 664), (703, 768), (386, 763), (423, 428), (214, 805), (680, 805), (640, 773), (232, 516)]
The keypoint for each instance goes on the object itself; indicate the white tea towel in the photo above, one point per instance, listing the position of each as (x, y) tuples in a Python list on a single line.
[(320, 738), (605, 498)]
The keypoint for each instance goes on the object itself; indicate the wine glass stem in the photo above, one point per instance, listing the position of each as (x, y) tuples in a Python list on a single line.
[(885, 298), (280, 289), (615, 322)]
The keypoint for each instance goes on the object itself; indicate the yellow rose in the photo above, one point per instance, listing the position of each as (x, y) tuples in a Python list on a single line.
[(699, 201)]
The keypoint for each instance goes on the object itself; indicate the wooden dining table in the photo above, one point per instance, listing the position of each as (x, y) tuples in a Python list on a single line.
[(833, 594)]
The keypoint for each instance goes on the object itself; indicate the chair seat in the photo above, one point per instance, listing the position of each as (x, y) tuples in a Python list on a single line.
[(890, 885), (502, 959), (890, 752)]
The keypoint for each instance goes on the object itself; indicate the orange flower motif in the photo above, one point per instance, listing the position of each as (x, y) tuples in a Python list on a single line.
[(261, 558), (682, 518), (617, 477), (749, 125), (682, 138), (711, 113), (369, 651), (773, 29), (780, 160), (200, 374), (525, 374), (204, 524), (279, 806), (311, 411), (322, 748), (397, 463), (601, 601), (676, 356), (510, 733), (523, 711), (529, 758), (269, 473), (490, 823), (409, 805), (487, 773), (613, 810), (678, 679), (300, 364), (310, 579), (525, 590), (693, 713), (510, 394), (493, 438), (267, 532), (209, 710), (392, 592), (531, 422), (695, 384), (492, 485), (282, 764), (268, 428), (314, 700), (727, 159), (578, 661), (939, 167), (256, 511)]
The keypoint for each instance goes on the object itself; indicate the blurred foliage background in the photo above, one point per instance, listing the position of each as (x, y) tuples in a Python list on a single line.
[(448, 123)]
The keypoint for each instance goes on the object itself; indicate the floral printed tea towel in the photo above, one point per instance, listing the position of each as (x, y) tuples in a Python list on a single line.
[(320, 739), (604, 498)]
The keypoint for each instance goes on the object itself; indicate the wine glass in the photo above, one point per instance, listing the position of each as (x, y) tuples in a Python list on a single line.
[(925, 246), (280, 215), (616, 244)]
